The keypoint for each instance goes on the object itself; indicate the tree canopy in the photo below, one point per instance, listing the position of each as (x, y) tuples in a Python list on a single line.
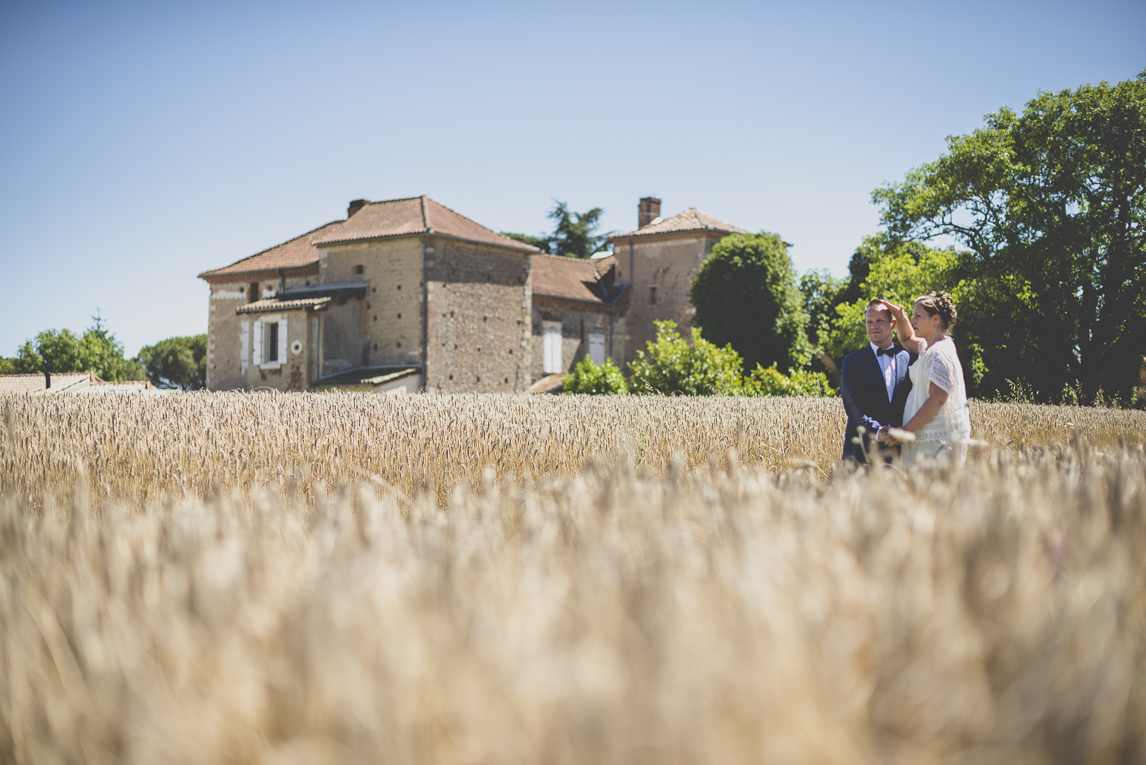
[(1051, 204), (96, 350), (746, 295), (574, 234), (177, 362)]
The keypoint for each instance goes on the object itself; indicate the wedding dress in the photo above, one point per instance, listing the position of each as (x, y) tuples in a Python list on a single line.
[(947, 434)]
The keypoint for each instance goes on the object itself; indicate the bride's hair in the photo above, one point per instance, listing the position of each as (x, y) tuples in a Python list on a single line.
[(940, 303)]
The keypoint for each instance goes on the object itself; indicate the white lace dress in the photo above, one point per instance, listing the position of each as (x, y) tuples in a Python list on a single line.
[(947, 434)]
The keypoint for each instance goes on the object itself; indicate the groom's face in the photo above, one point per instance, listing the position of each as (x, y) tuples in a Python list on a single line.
[(879, 326)]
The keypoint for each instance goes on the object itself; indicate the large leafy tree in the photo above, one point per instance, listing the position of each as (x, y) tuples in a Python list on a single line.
[(746, 294), (574, 234), (96, 350), (177, 362), (1051, 204)]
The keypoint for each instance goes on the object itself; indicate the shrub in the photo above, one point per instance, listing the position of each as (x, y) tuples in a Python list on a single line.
[(771, 382), (674, 367), (596, 379)]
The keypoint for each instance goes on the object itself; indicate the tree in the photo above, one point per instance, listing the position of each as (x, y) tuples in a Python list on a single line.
[(896, 271), (96, 350), (177, 362), (573, 233), (746, 295), (1051, 204)]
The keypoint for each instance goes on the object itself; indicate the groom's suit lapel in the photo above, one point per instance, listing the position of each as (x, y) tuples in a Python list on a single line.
[(902, 362)]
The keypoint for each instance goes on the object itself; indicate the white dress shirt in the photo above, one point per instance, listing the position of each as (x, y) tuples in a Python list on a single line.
[(887, 367)]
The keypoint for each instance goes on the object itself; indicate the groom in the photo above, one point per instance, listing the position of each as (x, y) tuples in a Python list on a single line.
[(874, 384)]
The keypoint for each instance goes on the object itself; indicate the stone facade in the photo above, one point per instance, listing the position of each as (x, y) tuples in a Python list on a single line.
[(345, 307), (228, 359), (578, 323), (661, 270), (658, 261), (342, 306), (478, 324)]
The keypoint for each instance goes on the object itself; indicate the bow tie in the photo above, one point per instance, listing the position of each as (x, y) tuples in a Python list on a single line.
[(885, 351)]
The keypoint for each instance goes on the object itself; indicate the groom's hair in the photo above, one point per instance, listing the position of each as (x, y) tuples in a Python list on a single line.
[(878, 304)]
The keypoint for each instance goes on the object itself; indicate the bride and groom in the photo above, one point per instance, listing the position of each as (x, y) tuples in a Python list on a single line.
[(911, 398)]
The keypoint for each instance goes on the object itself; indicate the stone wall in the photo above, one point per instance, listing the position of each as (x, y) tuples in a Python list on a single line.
[(294, 369), (479, 319), (387, 324), (661, 270), (577, 319), (226, 369)]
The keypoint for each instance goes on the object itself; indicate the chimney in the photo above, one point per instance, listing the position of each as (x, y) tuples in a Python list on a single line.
[(647, 211), (355, 206)]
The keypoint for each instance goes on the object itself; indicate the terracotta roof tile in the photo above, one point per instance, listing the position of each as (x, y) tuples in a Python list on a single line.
[(689, 220), (416, 215), (295, 253), (267, 305), (570, 278)]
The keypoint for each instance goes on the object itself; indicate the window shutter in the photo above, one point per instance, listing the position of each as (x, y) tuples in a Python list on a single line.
[(597, 347), (257, 343), (282, 340), (551, 351), (244, 343)]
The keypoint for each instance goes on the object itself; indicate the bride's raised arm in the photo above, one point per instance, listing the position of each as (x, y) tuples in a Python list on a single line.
[(903, 327)]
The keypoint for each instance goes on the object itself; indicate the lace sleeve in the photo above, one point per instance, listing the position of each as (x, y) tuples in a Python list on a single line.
[(942, 372)]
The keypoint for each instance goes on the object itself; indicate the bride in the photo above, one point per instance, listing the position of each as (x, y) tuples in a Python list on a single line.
[(936, 411)]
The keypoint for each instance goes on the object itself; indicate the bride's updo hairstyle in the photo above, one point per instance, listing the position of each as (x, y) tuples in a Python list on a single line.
[(940, 303)]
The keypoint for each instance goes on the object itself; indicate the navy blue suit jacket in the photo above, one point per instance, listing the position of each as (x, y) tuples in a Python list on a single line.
[(865, 398)]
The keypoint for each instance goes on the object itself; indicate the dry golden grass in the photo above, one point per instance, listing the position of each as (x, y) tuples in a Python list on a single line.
[(137, 449), (235, 578)]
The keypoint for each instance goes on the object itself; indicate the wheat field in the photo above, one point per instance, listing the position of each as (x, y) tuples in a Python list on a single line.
[(492, 579)]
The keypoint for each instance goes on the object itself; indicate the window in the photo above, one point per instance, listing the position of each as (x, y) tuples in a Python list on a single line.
[(551, 348), (360, 269), (597, 346), (652, 295), (269, 341), (253, 292), (273, 342)]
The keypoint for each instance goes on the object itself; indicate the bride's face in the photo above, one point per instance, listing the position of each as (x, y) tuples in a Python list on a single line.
[(924, 324)]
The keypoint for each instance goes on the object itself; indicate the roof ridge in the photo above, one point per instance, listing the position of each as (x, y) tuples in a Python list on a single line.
[(563, 257)]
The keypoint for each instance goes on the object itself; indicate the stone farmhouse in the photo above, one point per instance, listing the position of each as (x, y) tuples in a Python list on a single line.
[(341, 307)]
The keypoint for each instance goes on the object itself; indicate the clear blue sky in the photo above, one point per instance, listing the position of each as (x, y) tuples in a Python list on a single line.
[(142, 143)]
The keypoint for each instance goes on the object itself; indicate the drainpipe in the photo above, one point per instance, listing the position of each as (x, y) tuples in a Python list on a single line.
[(613, 310)]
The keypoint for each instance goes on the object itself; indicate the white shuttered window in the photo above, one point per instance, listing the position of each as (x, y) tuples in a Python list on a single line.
[(244, 344), (257, 342), (597, 346), (551, 350), (282, 340)]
